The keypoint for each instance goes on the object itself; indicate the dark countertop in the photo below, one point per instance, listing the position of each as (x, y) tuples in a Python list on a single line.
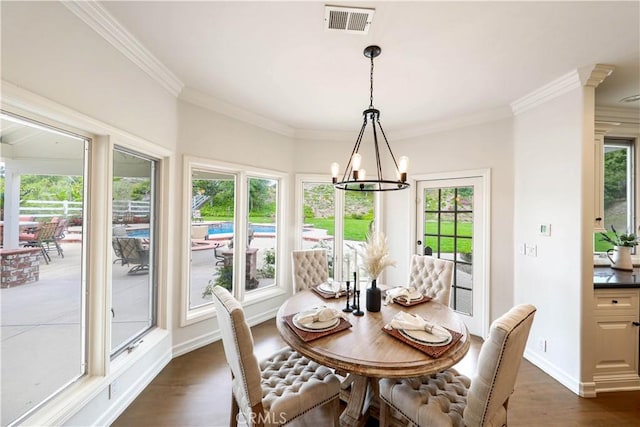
[(608, 278)]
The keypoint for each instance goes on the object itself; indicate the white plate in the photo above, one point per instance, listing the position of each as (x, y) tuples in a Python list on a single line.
[(326, 287), (424, 337), (315, 326)]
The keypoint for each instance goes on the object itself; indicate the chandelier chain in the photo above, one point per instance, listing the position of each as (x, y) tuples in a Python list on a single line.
[(371, 87)]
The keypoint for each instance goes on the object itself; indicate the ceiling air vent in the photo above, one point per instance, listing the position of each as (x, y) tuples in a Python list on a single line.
[(348, 19)]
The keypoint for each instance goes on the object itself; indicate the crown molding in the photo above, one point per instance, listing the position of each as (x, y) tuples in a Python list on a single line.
[(198, 98), (618, 114), (459, 122), (101, 21), (593, 75), (412, 132), (547, 92), (589, 76)]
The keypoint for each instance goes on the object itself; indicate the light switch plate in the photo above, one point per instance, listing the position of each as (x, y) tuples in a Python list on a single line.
[(544, 229)]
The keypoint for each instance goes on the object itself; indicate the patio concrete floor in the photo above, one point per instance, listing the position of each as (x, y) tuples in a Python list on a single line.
[(41, 332)]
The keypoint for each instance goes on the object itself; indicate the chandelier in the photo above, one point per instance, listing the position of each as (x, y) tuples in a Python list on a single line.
[(355, 177)]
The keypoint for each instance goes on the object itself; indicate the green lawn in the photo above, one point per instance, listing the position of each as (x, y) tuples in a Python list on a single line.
[(357, 229), (354, 229)]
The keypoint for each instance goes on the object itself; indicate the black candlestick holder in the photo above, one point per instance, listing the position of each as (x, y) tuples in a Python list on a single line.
[(355, 289), (356, 308), (347, 308)]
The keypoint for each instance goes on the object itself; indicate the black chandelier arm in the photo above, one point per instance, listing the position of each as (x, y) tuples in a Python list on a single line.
[(389, 147), (377, 149)]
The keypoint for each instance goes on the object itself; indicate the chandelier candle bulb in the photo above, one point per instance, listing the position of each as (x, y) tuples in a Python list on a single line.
[(403, 166), (335, 170), (356, 161)]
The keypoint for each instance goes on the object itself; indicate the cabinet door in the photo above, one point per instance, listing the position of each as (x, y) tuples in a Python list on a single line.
[(616, 346)]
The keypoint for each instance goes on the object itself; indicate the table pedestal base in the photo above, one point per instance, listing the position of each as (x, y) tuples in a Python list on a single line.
[(364, 395)]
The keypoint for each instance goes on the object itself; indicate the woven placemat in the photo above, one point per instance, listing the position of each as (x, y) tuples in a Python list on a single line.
[(328, 295), (404, 303), (430, 351), (307, 336)]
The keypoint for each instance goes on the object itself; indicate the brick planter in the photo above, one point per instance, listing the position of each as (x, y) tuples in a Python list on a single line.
[(19, 266)]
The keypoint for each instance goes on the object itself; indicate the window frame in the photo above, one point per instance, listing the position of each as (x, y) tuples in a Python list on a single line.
[(632, 187), (135, 339), (189, 316)]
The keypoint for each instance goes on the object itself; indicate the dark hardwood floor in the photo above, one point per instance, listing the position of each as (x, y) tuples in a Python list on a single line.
[(194, 390)]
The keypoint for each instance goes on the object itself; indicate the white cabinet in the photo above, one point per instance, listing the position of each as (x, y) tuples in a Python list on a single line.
[(617, 324)]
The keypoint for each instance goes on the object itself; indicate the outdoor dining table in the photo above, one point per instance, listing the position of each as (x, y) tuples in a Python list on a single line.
[(366, 351)]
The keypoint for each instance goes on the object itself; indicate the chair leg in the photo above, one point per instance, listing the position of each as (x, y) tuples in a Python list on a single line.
[(385, 413), (335, 409), (235, 410)]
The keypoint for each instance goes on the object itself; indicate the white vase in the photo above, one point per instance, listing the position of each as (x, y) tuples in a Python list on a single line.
[(621, 259)]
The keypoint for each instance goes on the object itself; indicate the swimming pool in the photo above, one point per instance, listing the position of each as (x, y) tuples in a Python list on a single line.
[(217, 228)]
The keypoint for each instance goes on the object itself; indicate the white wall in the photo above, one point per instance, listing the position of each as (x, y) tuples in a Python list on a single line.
[(550, 185), (48, 50), (482, 146)]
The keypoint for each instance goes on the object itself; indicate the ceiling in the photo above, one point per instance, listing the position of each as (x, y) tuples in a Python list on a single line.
[(439, 61)]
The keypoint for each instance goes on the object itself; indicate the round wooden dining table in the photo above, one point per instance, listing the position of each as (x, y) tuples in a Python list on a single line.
[(366, 351)]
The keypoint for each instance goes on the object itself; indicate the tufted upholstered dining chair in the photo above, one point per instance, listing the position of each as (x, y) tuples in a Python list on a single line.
[(432, 277), (450, 399), (276, 390), (310, 268)]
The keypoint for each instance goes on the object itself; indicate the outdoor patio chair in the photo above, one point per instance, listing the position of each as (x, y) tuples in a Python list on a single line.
[(451, 399), (433, 277), (58, 236), (310, 268), (217, 255), (41, 238), (133, 253), (276, 390)]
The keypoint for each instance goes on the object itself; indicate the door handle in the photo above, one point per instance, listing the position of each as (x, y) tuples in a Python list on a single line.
[(635, 323), (614, 301)]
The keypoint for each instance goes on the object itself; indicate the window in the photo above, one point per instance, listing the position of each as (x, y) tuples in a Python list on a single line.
[(318, 225), (43, 174), (213, 196), (262, 232), (358, 217), (320, 228), (133, 290), (618, 189), (233, 213)]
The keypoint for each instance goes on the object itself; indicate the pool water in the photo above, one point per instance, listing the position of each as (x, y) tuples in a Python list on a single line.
[(218, 228)]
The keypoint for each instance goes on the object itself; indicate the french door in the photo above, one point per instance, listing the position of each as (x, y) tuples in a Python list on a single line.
[(451, 225)]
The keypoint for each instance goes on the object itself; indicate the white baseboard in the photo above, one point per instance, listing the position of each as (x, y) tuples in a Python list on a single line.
[(213, 336), (556, 373), (130, 394)]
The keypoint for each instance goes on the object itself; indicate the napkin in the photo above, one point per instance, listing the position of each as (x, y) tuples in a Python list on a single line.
[(399, 292), (320, 314), (406, 321)]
